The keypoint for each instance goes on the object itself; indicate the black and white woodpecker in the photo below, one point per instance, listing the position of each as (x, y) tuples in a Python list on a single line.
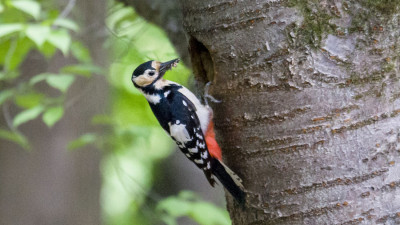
[(188, 122)]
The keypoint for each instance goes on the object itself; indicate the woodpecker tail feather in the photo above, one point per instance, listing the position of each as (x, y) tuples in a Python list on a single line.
[(229, 180)]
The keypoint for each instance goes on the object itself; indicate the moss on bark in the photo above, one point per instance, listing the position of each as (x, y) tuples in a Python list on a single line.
[(315, 23)]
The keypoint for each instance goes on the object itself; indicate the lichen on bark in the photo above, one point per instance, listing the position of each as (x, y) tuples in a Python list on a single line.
[(316, 21)]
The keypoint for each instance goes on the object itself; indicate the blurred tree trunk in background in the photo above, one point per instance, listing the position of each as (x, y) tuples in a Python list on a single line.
[(310, 111), (51, 185)]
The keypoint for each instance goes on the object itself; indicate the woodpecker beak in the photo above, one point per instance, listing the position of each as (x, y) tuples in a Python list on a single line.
[(168, 65)]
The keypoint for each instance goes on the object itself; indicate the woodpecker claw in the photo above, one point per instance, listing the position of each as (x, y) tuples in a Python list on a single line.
[(207, 96)]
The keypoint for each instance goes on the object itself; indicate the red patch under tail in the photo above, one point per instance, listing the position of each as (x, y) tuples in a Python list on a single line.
[(212, 145)]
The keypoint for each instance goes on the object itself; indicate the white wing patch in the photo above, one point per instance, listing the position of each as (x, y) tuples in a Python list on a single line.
[(200, 144), (199, 161), (166, 93), (199, 136), (193, 150), (181, 145), (179, 132), (203, 112), (204, 155)]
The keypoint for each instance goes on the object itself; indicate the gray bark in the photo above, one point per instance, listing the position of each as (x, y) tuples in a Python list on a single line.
[(310, 111), (51, 185), (310, 101)]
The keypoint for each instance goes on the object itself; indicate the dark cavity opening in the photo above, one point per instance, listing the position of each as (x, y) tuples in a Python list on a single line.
[(202, 63)]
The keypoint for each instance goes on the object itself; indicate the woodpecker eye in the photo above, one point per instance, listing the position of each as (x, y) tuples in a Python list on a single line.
[(151, 73)]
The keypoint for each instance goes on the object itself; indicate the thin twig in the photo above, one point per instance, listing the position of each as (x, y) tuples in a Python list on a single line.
[(7, 117), (67, 10), (76, 98)]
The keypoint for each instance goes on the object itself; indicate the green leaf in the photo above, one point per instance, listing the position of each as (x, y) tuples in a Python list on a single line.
[(52, 115), (14, 137), (48, 50), (124, 108), (9, 75), (169, 220), (101, 119), (5, 95), (188, 204), (29, 100), (66, 23), (16, 51), (27, 115), (82, 141), (85, 70), (123, 14), (174, 206), (80, 52), (30, 7), (52, 14), (60, 81), (37, 78), (214, 214), (60, 39), (189, 195), (38, 33), (6, 29)]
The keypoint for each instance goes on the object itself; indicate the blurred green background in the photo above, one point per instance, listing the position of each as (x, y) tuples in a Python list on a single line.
[(65, 87)]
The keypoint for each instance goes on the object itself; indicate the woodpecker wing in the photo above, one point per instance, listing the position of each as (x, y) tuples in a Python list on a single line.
[(185, 130)]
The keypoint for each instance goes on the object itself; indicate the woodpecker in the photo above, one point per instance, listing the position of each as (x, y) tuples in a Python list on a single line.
[(187, 121)]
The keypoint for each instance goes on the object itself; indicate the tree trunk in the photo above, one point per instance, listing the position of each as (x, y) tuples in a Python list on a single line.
[(310, 115), (52, 185), (310, 105)]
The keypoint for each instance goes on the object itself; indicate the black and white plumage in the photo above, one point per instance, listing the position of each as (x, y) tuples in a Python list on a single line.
[(185, 119)]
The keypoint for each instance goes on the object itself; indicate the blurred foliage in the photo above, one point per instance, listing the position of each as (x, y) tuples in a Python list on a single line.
[(138, 142), (189, 204), (27, 25), (135, 143)]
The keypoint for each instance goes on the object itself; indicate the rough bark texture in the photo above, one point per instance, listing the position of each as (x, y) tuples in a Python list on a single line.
[(310, 111), (51, 185)]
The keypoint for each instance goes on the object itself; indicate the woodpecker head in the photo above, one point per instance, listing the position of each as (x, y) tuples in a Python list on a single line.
[(149, 72)]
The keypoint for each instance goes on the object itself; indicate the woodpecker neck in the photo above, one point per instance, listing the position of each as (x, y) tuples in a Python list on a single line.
[(158, 91), (156, 87)]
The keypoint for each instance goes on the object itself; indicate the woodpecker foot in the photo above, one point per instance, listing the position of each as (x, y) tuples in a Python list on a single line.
[(207, 96)]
